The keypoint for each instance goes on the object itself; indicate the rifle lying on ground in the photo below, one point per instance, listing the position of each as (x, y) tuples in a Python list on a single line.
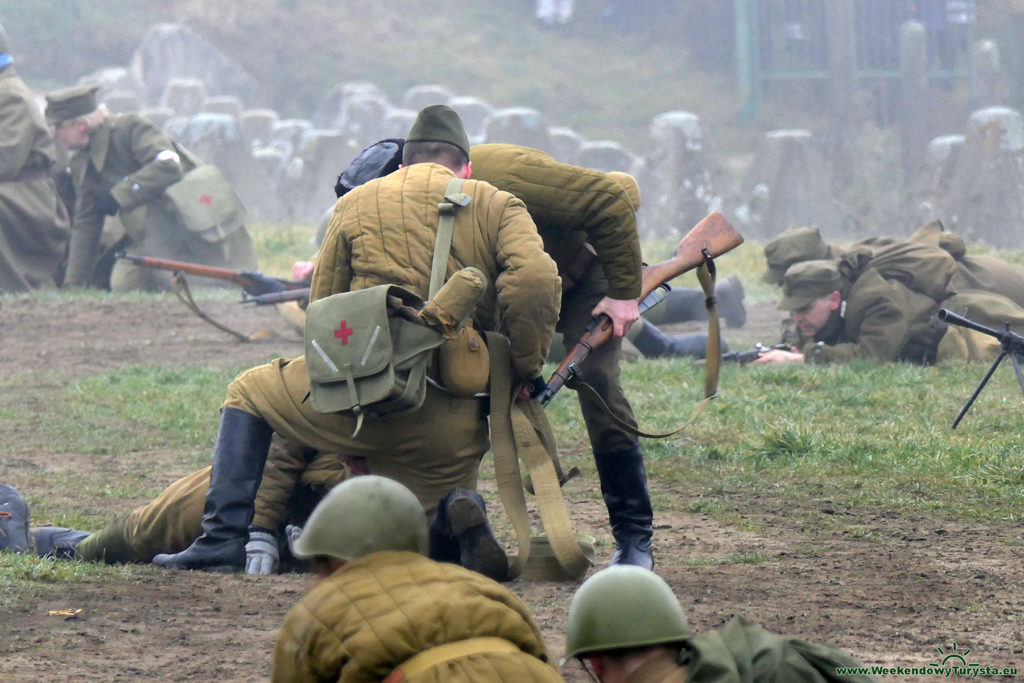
[(710, 238), (1010, 344), (257, 287), (254, 283)]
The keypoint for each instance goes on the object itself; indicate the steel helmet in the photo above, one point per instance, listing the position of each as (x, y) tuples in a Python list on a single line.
[(623, 607), (363, 515)]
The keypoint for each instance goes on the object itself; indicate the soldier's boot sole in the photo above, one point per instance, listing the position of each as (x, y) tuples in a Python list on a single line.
[(479, 548)]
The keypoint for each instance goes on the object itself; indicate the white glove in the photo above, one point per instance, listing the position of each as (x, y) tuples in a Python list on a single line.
[(261, 554), (292, 533)]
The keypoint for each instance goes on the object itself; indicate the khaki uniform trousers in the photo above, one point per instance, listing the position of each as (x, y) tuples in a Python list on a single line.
[(431, 451), (169, 524), (173, 519), (986, 308)]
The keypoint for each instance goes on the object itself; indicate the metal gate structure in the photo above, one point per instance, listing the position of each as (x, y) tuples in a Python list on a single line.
[(789, 40)]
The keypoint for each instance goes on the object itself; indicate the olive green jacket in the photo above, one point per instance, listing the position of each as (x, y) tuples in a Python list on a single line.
[(124, 158), (377, 612), (570, 205), (33, 220), (743, 652), (878, 320), (383, 233)]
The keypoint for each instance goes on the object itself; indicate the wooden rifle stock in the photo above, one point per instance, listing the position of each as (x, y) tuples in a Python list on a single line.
[(713, 234), (252, 281)]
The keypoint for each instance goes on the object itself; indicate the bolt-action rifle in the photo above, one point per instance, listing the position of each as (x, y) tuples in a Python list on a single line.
[(254, 283), (710, 238), (750, 355), (1010, 344), (301, 295)]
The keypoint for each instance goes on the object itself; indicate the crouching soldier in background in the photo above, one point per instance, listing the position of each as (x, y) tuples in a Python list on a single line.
[(384, 612), (169, 203), (628, 624)]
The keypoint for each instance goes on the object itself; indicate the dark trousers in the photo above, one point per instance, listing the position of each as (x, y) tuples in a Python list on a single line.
[(601, 368)]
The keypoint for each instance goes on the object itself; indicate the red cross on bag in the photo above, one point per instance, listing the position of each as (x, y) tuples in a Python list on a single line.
[(343, 332)]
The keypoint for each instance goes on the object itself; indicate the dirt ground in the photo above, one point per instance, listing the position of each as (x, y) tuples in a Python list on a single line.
[(891, 588)]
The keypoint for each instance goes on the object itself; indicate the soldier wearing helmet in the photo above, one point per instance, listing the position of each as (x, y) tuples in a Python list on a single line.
[(628, 624), (383, 611)]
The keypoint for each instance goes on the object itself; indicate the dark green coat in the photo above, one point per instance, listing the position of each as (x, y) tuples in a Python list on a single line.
[(742, 651), (33, 220), (132, 159), (880, 320), (570, 205)]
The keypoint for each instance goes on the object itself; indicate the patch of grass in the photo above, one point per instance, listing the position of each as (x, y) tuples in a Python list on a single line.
[(877, 434), (143, 407), (20, 571), (281, 246)]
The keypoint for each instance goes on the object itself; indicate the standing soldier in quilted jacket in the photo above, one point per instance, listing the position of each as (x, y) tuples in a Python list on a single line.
[(33, 220), (383, 232), (579, 211), (384, 612), (123, 166)]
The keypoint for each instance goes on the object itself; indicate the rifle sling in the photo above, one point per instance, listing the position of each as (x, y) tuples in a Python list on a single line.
[(713, 354), (519, 429), (184, 294)]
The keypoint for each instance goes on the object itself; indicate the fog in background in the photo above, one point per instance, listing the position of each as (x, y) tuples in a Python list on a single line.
[(862, 117)]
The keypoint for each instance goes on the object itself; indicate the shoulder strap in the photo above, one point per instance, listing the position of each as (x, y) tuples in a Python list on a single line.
[(454, 198)]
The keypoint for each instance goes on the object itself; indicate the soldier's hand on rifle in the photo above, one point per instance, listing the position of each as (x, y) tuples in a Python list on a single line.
[(780, 356), (623, 313)]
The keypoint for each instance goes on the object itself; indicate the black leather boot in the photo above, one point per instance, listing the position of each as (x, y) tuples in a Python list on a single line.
[(14, 536), (681, 305), (729, 296), (624, 487), (461, 534), (242, 444), (57, 541), (653, 343), (684, 304)]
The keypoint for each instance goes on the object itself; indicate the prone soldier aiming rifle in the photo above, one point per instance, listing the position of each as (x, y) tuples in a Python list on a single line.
[(1010, 344)]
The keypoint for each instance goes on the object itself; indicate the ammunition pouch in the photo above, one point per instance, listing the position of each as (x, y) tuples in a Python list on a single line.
[(464, 365)]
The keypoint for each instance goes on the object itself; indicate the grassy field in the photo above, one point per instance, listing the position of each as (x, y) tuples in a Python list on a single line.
[(827, 502)]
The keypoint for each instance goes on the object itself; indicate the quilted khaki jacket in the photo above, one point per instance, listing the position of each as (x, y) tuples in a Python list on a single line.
[(377, 612), (383, 233), (570, 205)]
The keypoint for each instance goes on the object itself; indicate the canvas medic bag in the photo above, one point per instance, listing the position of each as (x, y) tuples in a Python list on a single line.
[(365, 351)]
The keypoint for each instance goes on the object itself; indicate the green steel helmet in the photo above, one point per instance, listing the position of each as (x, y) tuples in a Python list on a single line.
[(364, 515), (4, 45), (623, 607)]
